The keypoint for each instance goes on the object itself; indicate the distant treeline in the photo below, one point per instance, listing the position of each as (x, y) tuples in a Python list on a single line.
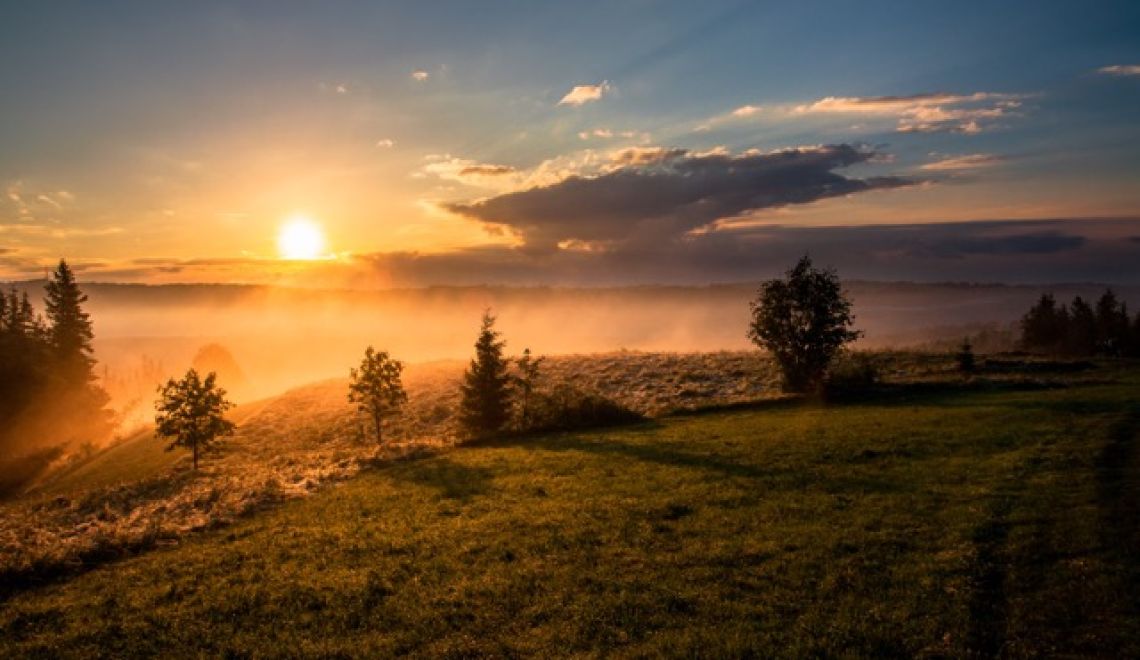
[(49, 399), (1081, 329)]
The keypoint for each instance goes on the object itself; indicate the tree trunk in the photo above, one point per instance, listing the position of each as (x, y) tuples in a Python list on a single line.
[(379, 440)]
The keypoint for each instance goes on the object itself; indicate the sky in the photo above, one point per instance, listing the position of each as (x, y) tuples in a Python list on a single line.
[(373, 144)]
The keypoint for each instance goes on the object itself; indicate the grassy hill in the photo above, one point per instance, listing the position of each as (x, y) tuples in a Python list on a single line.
[(936, 520)]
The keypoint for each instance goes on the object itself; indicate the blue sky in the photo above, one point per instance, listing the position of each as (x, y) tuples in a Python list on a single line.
[(171, 141)]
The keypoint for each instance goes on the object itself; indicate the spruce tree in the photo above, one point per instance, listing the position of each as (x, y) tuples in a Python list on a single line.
[(69, 331), (485, 404)]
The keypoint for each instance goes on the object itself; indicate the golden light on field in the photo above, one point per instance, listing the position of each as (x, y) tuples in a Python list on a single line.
[(300, 238)]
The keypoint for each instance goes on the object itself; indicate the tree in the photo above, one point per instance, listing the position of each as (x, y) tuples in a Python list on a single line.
[(965, 358), (191, 412), (1080, 335), (376, 388), (525, 383), (69, 333), (485, 404), (1043, 326), (803, 320)]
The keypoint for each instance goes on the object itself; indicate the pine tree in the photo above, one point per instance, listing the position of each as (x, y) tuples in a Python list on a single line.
[(485, 404), (965, 358), (376, 388), (69, 332), (525, 383)]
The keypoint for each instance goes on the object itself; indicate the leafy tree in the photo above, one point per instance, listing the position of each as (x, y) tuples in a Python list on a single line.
[(803, 320), (526, 381), (376, 388), (485, 404), (191, 412), (70, 333)]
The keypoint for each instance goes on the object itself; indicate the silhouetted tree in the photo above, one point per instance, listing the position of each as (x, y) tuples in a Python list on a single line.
[(803, 319), (191, 412), (69, 332), (485, 404), (1080, 335), (376, 388), (965, 358), (1111, 324), (1042, 327), (525, 383)]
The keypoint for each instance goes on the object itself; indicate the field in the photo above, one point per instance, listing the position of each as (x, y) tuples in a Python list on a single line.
[(932, 517)]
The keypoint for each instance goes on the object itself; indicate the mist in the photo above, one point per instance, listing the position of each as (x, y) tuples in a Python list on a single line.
[(279, 338)]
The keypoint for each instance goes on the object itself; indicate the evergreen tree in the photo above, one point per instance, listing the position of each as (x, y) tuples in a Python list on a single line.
[(525, 383), (376, 388), (1042, 328), (1080, 339), (485, 404), (1111, 324), (70, 332)]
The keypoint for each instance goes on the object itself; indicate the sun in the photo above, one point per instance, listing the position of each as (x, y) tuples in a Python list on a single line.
[(300, 238)]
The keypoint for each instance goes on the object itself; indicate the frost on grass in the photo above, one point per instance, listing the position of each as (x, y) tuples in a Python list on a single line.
[(292, 444)]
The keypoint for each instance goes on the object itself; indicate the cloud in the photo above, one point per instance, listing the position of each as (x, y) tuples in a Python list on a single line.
[(924, 113), (420, 76), (966, 162), (486, 170), (660, 194), (472, 172), (386, 143), (1120, 70), (582, 94), (342, 89), (746, 111), (607, 134)]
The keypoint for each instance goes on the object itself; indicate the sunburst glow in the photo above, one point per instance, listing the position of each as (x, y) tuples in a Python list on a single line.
[(300, 238)]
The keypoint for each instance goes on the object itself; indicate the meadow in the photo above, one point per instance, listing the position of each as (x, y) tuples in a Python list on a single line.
[(931, 517)]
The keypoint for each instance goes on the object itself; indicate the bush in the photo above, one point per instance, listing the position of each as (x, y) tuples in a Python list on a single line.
[(851, 375), (567, 408)]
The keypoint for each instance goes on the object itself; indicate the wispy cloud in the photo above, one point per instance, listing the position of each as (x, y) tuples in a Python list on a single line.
[(582, 94), (386, 143), (924, 113), (420, 75), (743, 112), (1120, 70), (965, 162)]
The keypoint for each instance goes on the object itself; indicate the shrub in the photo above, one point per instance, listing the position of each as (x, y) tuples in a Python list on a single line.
[(851, 375), (566, 408)]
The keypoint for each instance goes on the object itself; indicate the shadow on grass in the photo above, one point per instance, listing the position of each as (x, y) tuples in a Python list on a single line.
[(653, 452), (454, 481)]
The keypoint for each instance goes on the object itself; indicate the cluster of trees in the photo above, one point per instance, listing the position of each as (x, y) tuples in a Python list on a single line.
[(497, 392), (1080, 328), (49, 397)]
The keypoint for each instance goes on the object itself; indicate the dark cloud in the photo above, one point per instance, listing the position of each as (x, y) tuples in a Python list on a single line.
[(655, 195), (1037, 251), (1034, 243)]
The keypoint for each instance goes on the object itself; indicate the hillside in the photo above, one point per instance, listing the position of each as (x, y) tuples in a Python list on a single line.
[(135, 496), (931, 519)]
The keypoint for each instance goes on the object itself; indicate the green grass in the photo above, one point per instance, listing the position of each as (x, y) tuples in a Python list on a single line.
[(140, 456), (953, 523)]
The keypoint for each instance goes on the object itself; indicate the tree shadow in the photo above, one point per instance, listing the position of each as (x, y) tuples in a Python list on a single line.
[(454, 481), (653, 452)]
